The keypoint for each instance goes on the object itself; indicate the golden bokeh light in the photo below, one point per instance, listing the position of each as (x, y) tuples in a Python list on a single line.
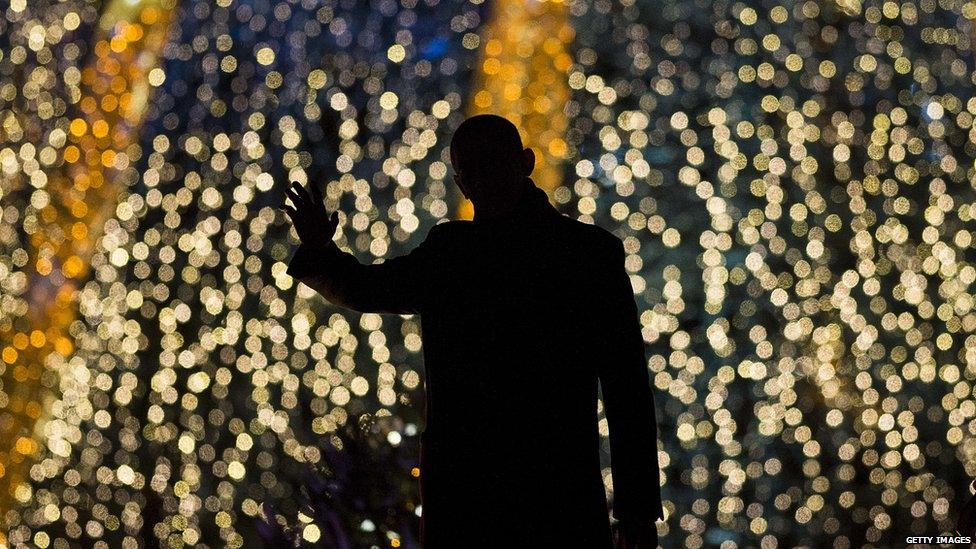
[(794, 184)]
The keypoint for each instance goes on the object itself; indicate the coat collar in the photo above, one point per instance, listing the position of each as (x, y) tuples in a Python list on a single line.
[(534, 201)]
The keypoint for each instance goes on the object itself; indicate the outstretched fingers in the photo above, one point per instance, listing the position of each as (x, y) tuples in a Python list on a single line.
[(316, 193), (296, 200), (296, 217), (298, 196), (303, 191)]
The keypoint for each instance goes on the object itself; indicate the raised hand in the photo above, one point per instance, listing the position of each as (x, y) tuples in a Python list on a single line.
[(314, 225)]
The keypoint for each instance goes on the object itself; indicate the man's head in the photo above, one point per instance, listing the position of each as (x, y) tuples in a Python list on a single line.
[(490, 163)]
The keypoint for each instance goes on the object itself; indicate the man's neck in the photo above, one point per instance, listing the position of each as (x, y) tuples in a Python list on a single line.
[(484, 212)]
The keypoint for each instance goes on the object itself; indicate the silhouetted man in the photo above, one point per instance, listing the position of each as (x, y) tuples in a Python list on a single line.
[(523, 312)]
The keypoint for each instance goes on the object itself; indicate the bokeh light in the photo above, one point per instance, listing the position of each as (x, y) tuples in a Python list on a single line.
[(793, 182)]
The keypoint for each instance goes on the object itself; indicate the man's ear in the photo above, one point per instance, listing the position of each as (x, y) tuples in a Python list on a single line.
[(528, 161)]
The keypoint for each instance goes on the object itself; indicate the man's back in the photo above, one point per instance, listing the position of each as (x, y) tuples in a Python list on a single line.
[(511, 448), (523, 315)]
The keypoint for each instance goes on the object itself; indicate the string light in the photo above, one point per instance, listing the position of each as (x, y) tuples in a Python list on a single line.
[(793, 183), (71, 155)]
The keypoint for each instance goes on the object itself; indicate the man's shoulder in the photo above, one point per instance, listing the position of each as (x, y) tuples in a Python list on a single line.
[(447, 229), (451, 225), (594, 236), (592, 239)]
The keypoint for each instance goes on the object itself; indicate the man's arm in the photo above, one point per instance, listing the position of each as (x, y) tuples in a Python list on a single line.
[(628, 402), (395, 286)]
